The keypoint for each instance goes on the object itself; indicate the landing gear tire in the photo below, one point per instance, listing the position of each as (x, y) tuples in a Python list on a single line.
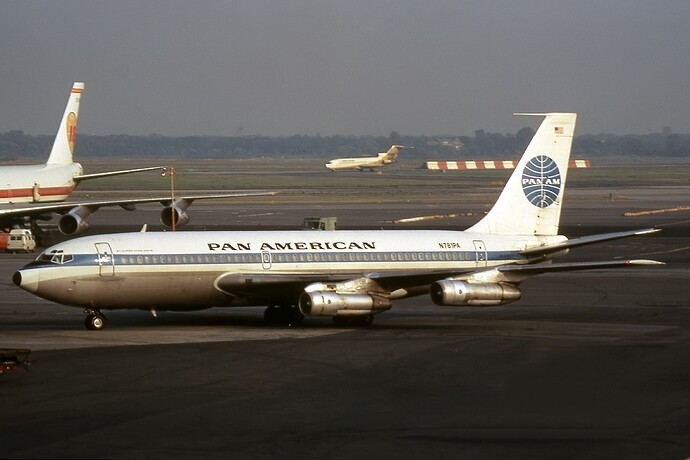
[(95, 320), (283, 315)]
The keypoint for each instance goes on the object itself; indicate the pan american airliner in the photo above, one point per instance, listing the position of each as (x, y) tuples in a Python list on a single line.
[(347, 275), (28, 190)]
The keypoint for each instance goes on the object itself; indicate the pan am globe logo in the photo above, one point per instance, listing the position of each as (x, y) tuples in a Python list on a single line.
[(541, 181)]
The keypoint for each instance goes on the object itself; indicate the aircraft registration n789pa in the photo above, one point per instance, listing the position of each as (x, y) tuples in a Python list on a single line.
[(348, 275)]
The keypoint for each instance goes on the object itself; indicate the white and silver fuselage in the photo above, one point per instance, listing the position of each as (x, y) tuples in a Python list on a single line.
[(173, 271)]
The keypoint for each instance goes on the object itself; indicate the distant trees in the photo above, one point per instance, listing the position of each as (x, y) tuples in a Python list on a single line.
[(16, 145)]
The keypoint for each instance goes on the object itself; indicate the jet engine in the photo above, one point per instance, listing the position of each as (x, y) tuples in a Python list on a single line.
[(460, 293), (175, 214), (325, 303), (74, 221)]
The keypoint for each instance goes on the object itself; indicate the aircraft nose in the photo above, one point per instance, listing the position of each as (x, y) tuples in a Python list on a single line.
[(26, 279)]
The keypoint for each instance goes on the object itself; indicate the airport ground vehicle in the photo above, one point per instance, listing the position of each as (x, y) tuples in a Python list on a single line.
[(18, 240), (320, 223), (13, 358)]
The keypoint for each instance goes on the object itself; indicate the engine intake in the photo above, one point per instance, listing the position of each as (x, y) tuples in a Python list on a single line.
[(74, 222), (175, 214), (324, 303), (461, 293)]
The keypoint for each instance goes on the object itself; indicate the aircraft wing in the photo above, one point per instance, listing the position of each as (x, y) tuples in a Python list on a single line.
[(585, 240), (73, 213), (275, 286), (248, 282)]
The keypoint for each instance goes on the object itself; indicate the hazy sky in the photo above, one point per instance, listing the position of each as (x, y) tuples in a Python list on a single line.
[(283, 67)]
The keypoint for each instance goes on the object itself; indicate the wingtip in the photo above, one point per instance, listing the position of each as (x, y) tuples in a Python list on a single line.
[(644, 262), (648, 231)]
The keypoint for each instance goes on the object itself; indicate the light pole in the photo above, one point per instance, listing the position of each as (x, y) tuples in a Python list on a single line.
[(169, 170)]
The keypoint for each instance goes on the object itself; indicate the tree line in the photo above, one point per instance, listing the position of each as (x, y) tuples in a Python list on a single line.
[(16, 145)]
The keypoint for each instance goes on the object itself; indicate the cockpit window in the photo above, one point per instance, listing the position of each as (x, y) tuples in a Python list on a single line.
[(57, 257)]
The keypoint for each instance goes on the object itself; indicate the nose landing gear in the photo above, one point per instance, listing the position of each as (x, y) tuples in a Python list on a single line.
[(95, 320)]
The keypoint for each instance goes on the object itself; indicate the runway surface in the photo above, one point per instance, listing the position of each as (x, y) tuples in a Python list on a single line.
[(586, 365)]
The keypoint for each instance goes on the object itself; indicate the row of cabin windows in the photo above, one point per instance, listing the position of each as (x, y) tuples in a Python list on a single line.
[(299, 257)]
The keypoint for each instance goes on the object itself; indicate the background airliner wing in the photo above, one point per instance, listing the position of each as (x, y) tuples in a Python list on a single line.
[(128, 204), (79, 210)]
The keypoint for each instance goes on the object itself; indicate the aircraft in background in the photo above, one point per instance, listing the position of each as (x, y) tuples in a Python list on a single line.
[(370, 163), (347, 275), (56, 179)]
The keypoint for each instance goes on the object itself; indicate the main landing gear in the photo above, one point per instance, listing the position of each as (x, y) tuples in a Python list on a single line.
[(95, 320), (283, 315)]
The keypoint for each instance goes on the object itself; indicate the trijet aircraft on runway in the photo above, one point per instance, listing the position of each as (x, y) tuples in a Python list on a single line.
[(56, 179), (370, 163), (347, 275)]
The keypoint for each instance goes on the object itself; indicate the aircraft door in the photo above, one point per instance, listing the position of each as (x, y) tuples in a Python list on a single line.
[(36, 191), (106, 259), (480, 253), (266, 260)]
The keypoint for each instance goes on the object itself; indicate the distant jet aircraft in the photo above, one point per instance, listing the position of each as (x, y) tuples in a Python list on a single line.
[(56, 179), (347, 275), (371, 163)]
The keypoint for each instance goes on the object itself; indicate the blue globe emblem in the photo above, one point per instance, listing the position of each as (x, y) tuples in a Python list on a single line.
[(541, 181)]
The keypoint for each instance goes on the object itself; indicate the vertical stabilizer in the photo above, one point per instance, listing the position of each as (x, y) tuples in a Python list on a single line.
[(63, 146), (391, 156), (531, 202)]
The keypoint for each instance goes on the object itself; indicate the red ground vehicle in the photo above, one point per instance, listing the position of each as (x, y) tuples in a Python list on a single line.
[(12, 358)]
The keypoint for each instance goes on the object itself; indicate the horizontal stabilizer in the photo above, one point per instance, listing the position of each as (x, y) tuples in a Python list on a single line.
[(116, 173), (585, 240)]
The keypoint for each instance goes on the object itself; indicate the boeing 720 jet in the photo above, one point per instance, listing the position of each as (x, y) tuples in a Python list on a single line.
[(371, 163), (56, 179), (347, 275)]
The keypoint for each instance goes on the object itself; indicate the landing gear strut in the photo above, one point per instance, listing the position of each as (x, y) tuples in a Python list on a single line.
[(95, 320), (283, 315)]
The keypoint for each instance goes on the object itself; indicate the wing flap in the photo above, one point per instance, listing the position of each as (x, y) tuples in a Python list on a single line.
[(538, 269)]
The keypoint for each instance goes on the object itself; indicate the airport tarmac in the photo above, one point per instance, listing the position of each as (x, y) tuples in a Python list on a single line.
[(586, 365)]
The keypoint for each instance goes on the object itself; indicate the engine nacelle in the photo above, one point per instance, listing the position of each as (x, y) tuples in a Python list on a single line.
[(460, 293), (74, 221), (325, 303), (175, 214)]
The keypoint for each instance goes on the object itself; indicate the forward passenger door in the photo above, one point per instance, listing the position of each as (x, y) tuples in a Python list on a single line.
[(106, 259)]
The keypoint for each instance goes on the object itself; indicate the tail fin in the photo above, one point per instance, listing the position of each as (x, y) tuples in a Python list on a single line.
[(391, 155), (63, 146), (530, 203)]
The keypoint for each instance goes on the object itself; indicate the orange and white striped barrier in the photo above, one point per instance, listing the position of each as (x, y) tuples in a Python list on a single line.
[(488, 164)]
